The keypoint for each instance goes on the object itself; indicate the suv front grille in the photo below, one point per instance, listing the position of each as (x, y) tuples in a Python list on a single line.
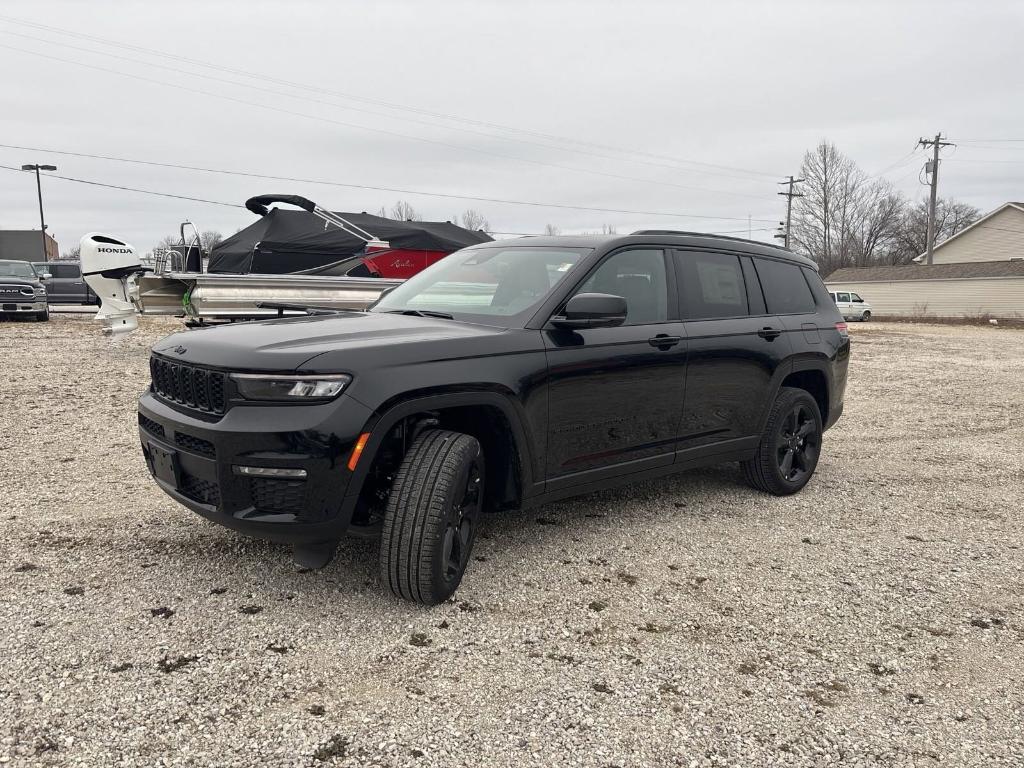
[(188, 385), (151, 426), (197, 489), (270, 495), (194, 444)]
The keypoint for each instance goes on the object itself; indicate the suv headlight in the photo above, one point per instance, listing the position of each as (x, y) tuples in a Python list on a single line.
[(284, 388)]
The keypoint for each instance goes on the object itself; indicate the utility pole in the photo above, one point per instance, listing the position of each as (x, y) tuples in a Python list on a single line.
[(933, 166), (39, 190), (789, 195)]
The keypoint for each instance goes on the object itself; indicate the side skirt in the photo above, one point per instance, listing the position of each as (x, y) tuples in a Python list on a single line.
[(739, 449)]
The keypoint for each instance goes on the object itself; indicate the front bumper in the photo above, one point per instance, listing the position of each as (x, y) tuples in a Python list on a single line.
[(22, 307), (316, 438)]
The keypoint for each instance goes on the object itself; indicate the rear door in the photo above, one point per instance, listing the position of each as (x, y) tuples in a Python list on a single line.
[(736, 347), (615, 394)]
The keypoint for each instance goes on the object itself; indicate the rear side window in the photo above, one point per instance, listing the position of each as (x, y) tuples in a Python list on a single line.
[(785, 288), (711, 286)]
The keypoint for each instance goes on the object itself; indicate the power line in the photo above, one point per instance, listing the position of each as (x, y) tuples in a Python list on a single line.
[(385, 131), (128, 189), (398, 190), (406, 119), (378, 102)]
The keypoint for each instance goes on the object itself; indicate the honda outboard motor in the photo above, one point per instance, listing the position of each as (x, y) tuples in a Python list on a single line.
[(107, 265)]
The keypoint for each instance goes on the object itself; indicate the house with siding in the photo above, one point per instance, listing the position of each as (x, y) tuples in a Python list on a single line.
[(978, 271)]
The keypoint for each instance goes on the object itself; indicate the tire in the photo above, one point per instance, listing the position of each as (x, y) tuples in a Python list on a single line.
[(790, 445), (43, 316), (865, 317), (431, 517)]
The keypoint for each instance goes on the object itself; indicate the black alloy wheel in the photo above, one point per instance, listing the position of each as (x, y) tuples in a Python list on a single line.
[(790, 445), (798, 444)]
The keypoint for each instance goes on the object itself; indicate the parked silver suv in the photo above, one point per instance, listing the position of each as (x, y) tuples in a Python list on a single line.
[(22, 291)]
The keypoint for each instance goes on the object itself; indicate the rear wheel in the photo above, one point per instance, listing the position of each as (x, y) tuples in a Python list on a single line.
[(431, 516), (790, 445)]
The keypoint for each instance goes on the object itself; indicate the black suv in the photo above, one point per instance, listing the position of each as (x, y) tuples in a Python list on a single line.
[(507, 375)]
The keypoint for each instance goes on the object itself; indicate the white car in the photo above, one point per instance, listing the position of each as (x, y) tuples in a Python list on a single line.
[(851, 306)]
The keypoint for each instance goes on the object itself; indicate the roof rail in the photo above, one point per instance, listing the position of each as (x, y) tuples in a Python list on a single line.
[(708, 234)]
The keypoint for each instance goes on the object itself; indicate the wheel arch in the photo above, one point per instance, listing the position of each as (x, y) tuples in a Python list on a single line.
[(491, 417), (813, 377)]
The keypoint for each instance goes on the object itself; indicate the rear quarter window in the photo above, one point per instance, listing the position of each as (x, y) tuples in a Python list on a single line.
[(785, 290), (822, 295)]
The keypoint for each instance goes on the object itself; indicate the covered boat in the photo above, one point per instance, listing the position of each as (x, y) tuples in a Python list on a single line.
[(287, 241)]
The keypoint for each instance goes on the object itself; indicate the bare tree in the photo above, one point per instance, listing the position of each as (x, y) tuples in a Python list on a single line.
[(210, 239), (551, 229), (74, 252), (403, 211), (911, 240), (845, 218), (167, 241), (473, 219)]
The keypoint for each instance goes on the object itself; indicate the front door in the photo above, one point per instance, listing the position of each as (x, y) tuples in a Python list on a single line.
[(735, 346), (615, 394)]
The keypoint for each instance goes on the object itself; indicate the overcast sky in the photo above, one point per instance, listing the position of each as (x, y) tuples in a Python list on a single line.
[(616, 104)]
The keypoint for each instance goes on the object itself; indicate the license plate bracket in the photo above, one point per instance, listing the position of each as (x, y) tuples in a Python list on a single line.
[(165, 465)]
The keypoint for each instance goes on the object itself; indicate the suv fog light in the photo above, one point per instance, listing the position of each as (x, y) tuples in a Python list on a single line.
[(292, 474)]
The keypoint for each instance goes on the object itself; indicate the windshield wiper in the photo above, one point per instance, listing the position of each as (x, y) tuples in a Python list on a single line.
[(420, 313), (309, 310)]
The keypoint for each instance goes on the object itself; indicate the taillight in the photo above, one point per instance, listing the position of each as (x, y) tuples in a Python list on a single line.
[(844, 330)]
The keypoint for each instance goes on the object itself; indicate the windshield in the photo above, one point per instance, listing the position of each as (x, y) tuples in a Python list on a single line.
[(17, 269), (494, 285)]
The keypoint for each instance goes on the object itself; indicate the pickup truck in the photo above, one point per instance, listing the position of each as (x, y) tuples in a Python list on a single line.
[(66, 284), (508, 375)]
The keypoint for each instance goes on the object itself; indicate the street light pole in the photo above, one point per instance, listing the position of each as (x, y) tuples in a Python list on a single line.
[(39, 190)]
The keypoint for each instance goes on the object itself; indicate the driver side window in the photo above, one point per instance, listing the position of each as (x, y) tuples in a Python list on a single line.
[(638, 276)]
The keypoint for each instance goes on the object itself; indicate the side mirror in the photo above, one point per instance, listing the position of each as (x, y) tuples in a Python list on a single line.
[(592, 310), (45, 276), (858, 301)]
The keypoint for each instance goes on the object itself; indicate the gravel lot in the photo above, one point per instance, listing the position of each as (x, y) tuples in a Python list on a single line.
[(874, 619)]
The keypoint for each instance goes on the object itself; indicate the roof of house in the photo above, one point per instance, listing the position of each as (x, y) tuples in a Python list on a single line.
[(961, 271), (982, 220)]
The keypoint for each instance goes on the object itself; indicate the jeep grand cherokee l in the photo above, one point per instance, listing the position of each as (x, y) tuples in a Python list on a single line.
[(505, 376)]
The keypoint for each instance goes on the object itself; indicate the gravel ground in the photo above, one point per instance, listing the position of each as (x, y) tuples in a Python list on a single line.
[(874, 619)]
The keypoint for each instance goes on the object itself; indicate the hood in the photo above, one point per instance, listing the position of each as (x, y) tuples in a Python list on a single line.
[(4, 279), (328, 343)]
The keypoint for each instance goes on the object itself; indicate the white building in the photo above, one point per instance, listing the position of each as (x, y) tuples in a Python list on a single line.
[(978, 271)]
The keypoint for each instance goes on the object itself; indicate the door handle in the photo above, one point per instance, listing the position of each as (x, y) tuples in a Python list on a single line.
[(769, 333), (664, 341)]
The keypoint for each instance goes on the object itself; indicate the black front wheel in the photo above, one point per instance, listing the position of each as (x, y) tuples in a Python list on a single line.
[(790, 445), (43, 316), (432, 515)]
